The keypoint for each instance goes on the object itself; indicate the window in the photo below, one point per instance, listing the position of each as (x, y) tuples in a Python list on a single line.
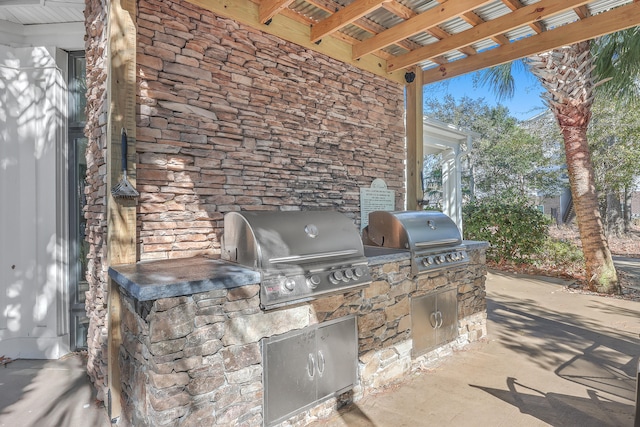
[(77, 169)]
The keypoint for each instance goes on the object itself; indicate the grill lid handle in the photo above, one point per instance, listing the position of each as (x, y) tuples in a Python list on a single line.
[(319, 255), (438, 243)]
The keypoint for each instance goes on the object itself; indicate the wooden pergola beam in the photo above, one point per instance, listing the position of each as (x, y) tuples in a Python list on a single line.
[(595, 26), (582, 12), (295, 31), (422, 22), (485, 30), (121, 213), (475, 20), (344, 17), (270, 8), (363, 23), (415, 136), (437, 32), (515, 5)]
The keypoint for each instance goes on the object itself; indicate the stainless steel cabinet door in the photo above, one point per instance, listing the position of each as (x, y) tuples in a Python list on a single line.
[(424, 322), (289, 374), (337, 357), (434, 320), (447, 306)]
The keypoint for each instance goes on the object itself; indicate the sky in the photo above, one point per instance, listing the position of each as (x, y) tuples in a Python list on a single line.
[(525, 104)]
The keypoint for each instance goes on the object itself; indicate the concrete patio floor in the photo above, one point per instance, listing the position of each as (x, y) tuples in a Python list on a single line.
[(49, 393), (552, 357)]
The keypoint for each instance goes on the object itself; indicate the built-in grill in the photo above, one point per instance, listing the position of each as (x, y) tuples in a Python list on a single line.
[(433, 238), (300, 254)]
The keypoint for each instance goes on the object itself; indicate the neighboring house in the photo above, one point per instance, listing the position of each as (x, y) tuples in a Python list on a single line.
[(42, 312), (559, 208), (635, 205)]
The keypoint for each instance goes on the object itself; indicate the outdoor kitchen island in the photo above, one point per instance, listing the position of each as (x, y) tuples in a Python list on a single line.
[(194, 334)]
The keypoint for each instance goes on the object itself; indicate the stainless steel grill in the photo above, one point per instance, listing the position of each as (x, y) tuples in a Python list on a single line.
[(299, 254), (432, 238)]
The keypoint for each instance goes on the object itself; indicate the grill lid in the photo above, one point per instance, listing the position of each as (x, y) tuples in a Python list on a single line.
[(300, 254), (412, 230), (276, 240)]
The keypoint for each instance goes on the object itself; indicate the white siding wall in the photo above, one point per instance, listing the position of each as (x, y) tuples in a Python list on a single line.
[(33, 288)]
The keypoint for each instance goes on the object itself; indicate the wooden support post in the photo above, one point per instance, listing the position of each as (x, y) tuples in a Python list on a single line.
[(121, 213), (415, 152)]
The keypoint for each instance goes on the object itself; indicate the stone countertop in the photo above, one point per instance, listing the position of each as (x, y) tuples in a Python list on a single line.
[(475, 244), (151, 280), (377, 255)]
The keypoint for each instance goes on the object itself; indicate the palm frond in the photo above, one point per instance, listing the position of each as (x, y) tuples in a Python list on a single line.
[(499, 79), (617, 58)]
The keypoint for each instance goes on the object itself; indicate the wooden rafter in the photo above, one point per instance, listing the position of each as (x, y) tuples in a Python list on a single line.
[(296, 30), (344, 17), (518, 18), (399, 10), (582, 12), (420, 23), (475, 20), (270, 8), (326, 26), (437, 32), (515, 5), (364, 24), (595, 26)]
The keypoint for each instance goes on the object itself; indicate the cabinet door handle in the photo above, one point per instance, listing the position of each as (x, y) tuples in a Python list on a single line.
[(320, 363), (433, 319), (311, 366), (440, 319)]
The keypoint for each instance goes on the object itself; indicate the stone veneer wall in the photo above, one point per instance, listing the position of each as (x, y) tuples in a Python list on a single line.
[(95, 190), (235, 119), (196, 360), (230, 118)]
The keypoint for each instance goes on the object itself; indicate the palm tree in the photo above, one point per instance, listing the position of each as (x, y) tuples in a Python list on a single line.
[(567, 75)]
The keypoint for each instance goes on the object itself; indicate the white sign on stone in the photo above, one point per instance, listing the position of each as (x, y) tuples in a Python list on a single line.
[(375, 198)]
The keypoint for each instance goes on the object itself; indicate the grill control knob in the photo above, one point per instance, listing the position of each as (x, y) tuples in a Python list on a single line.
[(427, 261), (290, 283), (358, 271), (463, 255), (440, 259), (313, 281), (348, 274), (335, 277)]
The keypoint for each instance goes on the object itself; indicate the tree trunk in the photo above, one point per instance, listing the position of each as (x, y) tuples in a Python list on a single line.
[(601, 274), (566, 75)]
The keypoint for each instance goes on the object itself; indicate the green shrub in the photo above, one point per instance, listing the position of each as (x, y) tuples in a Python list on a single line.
[(516, 230), (559, 254)]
